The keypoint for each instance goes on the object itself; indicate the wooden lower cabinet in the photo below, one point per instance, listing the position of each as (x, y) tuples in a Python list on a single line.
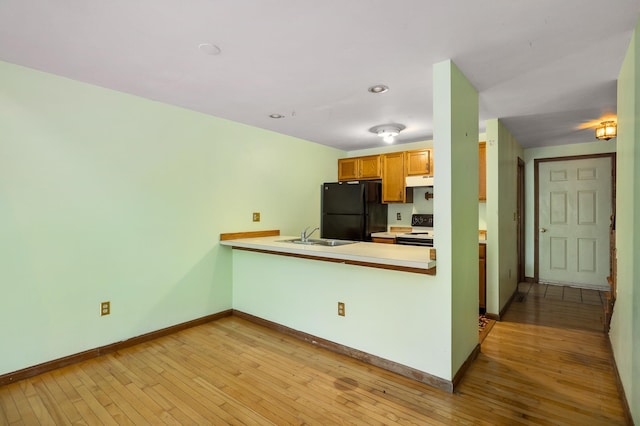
[(483, 276), (383, 240)]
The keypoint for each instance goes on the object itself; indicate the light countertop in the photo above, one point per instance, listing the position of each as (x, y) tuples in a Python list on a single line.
[(360, 252), (395, 234), (386, 234)]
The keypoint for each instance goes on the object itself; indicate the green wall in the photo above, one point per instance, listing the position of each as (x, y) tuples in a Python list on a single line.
[(107, 196), (388, 314), (455, 139), (625, 323), (502, 152)]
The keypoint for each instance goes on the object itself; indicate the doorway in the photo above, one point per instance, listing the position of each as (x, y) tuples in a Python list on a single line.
[(574, 200)]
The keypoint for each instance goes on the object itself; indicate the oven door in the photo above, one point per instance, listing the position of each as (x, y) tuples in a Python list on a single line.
[(424, 242)]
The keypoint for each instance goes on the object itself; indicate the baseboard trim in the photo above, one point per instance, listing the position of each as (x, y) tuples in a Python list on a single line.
[(401, 369), (625, 404), (508, 304), (465, 366), (504, 309), (103, 350)]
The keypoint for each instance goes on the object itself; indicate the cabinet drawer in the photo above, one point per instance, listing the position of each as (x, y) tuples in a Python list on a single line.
[(383, 240)]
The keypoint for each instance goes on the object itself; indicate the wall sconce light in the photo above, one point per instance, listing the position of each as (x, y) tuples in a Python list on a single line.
[(387, 131), (607, 130)]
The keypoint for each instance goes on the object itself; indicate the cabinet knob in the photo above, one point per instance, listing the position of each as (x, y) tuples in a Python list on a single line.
[(543, 230)]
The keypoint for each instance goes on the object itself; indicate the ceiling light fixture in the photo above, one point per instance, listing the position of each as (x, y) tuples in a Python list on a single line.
[(276, 116), (378, 88), (607, 130), (387, 131)]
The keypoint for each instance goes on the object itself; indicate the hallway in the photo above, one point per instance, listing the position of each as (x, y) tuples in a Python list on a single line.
[(549, 360)]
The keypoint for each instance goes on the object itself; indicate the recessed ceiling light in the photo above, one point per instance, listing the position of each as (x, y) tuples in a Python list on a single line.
[(209, 49), (378, 88), (276, 115)]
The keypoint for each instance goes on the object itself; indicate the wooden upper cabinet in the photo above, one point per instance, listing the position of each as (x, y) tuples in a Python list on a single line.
[(362, 168), (347, 168), (419, 162), (394, 189), (370, 167), (482, 171)]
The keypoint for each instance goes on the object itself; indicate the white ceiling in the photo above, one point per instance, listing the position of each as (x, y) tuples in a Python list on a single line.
[(547, 68)]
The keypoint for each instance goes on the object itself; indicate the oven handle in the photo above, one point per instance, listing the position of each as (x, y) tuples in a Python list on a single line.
[(414, 243)]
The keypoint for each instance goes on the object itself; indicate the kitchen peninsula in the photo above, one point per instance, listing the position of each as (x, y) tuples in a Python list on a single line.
[(384, 256), (390, 296)]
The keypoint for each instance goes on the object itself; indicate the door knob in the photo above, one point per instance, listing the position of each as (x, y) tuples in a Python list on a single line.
[(543, 230)]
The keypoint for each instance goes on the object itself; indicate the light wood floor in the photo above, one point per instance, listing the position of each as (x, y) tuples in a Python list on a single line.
[(536, 366)]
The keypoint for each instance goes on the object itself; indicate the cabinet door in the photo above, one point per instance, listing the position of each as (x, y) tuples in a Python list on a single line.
[(482, 171), (419, 162), (393, 183), (347, 169), (370, 167), (430, 162)]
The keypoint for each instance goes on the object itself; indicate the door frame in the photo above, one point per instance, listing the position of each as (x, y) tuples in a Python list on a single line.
[(536, 194), (520, 215)]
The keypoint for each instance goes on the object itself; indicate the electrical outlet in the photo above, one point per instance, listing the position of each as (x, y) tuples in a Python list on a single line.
[(105, 308), (341, 309), (256, 216), (398, 216)]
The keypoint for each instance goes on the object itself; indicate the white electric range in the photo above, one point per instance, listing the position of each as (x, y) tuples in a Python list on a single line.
[(421, 231)]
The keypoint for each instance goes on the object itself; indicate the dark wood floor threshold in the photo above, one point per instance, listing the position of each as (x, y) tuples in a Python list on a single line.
[(103, 350)]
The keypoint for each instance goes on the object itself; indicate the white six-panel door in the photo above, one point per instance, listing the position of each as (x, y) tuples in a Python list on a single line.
[(574, 215)]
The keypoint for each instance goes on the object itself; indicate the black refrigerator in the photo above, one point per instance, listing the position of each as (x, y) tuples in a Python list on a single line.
[(352, 210)]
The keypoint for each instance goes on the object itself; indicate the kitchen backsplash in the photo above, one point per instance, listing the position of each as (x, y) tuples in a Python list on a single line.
[(421, 205)]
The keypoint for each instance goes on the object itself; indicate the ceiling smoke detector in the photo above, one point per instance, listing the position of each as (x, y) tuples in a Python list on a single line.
[(378, 88), (209, 49), (387, 131)]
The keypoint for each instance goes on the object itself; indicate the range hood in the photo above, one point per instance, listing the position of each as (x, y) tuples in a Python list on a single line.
[(413, 181)]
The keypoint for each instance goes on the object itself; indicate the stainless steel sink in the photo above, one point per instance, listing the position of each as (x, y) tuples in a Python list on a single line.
[(318, 242)]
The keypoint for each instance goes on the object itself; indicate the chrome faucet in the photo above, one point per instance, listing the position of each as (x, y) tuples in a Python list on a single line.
[(304, 237)]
